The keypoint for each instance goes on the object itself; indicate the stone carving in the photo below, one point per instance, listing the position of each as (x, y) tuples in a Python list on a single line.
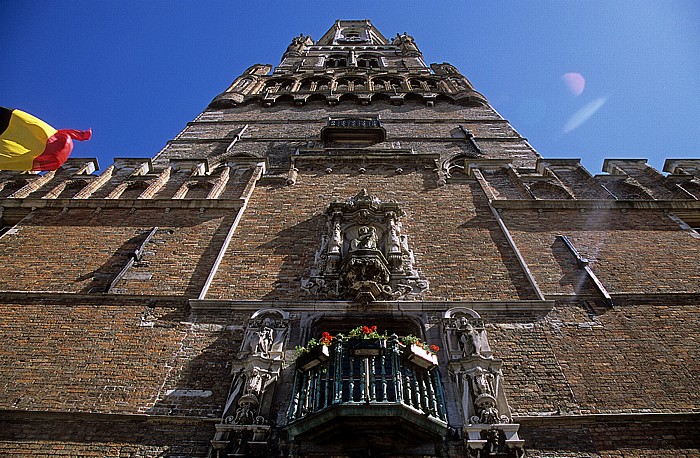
[(262, 342), (365, 240), (265, 336), (407, 44), (245, 424), (248, 389), (465, 334), (363, 256), (487, 424), (298, 44)]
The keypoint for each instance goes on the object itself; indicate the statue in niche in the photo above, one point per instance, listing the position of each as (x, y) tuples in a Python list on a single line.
[(336, 241), (466, 335), (363, 256), (483, 382), (261, 341), (366, 239), (394, 240), (469, 339)]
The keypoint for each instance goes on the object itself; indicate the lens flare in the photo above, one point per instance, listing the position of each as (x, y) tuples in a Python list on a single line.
[(575, 82), (584, 114)]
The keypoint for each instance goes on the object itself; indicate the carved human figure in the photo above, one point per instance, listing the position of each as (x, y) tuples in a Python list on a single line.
[(264, 340), (237, 446), (244, 415), (297, 44), (336, 240), (394, 241), (483, 381), (254, 382), (366, 239), (406, 42), (493, 443), (469, 339)]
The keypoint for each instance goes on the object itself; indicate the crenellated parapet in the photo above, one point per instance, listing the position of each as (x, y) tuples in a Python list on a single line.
[(76, 183), (567, 179)]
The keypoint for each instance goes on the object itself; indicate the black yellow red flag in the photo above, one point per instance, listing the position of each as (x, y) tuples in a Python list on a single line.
[(28, 143)]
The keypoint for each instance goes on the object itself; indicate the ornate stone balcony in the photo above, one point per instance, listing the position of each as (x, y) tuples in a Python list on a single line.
[(361, 381)]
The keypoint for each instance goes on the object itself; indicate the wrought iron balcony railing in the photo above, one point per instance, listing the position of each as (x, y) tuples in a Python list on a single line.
[(367, 373)]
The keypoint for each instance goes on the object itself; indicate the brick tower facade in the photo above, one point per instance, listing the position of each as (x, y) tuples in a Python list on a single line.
[(276, 280)]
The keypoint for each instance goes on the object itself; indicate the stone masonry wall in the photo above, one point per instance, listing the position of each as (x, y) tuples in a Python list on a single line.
[(455, 239), (635, 251), (126, 359), (631, 358), (81, 250)]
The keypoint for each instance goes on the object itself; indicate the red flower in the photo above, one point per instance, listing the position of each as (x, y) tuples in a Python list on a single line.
[(367, 330), (326, 338), (435, 348)]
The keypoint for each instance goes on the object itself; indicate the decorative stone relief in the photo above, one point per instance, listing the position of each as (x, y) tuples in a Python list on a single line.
[(245, 423), (363, 256), (486, 418)]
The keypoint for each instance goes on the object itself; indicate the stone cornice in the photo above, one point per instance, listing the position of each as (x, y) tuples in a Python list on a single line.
[(484, 308), (94, 299), (103, 417), (549, 419), (105, 204), (585, 204)]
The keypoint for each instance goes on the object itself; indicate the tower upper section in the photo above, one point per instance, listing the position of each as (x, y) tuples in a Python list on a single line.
[(351, 60)]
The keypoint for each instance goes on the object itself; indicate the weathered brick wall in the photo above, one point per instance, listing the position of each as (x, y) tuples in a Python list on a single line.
[(631, 358), (456, 242), (114, 359), (613, 438), (635, 251), (54, 435), (82, 249)]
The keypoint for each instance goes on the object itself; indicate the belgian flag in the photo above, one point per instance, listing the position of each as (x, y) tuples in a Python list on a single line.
[(28, 143)]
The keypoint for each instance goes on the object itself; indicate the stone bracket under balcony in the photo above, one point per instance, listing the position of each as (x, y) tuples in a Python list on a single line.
[(367, 418)]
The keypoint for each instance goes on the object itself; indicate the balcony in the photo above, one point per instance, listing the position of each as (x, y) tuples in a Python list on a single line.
[(353, 130), (367, 384)]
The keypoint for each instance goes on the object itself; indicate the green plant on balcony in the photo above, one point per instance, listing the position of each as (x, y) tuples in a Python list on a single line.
[(413, 340), (419, 353), (365, 341), (314, 353)]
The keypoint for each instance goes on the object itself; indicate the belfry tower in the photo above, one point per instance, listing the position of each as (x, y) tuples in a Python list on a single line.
[(350, 254)]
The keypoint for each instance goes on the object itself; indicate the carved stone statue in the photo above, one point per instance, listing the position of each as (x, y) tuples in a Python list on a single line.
[(244, 413), (254, 383), (366, 239), (297, 45), (394, 240), (263, 343), (489, 413), (483, 382), (336, 241), (494, 445), (406, 43), (469, 339)]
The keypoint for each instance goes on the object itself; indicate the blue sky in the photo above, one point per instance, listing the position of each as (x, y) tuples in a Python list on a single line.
[(137, 71)]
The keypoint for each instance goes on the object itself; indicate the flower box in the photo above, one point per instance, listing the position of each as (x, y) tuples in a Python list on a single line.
[(420, 356), (367, 347), (314, 357)]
